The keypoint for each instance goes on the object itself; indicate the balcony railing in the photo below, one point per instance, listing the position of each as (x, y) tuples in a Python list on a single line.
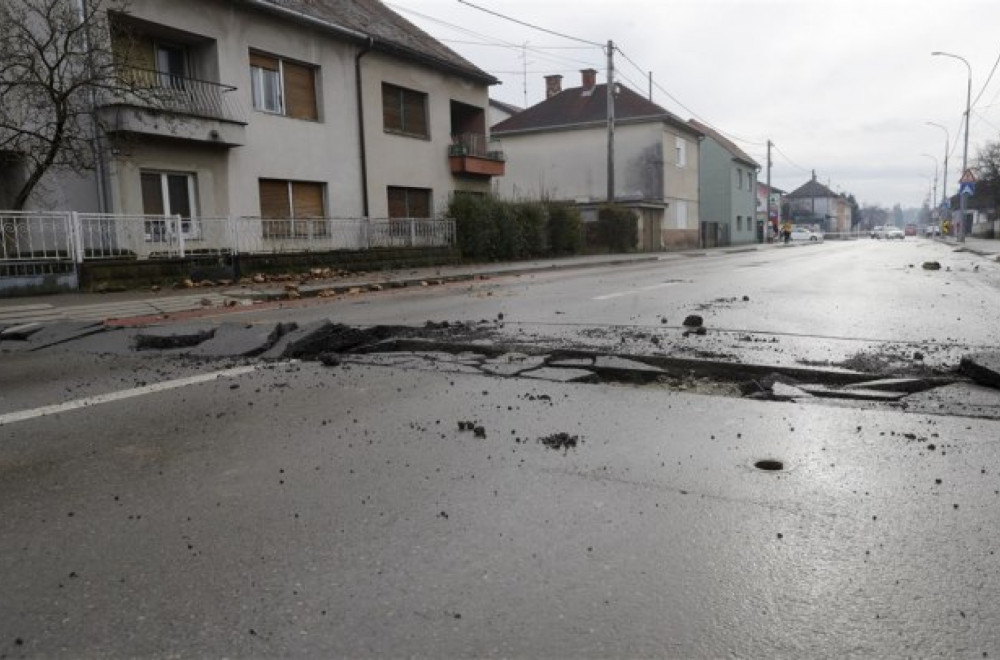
[(168, 92), (478, 146), (473, 155)]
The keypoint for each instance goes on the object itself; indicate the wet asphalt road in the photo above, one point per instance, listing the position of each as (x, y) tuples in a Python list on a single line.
[(309, 511)]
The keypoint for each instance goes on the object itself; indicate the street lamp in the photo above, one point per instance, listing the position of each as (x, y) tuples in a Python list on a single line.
[(947, 143), (934, 197), (965, 150)]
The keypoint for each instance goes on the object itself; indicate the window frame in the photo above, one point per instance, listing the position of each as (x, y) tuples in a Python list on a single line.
[(404, 127), (680, 151), (407, 191), (274, 227), (285, 101), (155, 230)]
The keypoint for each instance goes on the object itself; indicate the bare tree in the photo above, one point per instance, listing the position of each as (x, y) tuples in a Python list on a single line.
[(56, 63)]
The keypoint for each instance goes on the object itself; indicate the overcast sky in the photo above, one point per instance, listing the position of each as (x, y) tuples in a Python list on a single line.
[(840, 86)]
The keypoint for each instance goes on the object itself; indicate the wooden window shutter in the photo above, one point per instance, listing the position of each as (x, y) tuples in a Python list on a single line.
[(307, 203), (300, 91), (414, 113), (392, 107), (274, 208), (307, 199), (264, 61), (397, 202), (419, 203)]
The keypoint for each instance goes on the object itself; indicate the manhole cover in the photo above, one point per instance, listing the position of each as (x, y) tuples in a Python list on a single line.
[(769, 465)]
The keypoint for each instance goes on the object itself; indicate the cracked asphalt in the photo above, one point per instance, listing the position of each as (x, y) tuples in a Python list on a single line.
[(541, 465)]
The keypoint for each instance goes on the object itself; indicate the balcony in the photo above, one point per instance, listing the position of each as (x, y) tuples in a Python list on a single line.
[(168, 105), (472, 155)]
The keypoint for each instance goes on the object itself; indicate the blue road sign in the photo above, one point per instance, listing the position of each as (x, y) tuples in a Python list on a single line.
[(967, 188)]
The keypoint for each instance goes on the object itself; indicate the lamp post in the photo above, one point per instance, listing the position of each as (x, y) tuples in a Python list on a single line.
[(947, 144), (934, 196), (965, 150)]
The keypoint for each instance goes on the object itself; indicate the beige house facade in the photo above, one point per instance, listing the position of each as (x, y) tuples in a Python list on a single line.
[(558, 149), (291, 110)]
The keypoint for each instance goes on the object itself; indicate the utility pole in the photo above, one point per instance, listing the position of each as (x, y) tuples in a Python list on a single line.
[(611, 122), (767, 206), (650, 86)]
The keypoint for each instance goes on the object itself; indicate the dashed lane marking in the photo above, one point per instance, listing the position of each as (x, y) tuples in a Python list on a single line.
[(632, 292)]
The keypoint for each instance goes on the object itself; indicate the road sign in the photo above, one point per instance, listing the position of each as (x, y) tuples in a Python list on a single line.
[(968, 177), (945, 204), (967, 188)]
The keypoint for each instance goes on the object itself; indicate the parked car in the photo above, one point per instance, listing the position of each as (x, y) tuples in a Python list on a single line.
[(877, 231), (932, 230), (910, 230), (803, 234), (894, 232)]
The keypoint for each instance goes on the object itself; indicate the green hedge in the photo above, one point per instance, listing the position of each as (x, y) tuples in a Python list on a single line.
[(617, 228), (491, 229)]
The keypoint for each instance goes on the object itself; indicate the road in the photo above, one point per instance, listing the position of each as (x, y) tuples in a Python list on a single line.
[(287, 508)]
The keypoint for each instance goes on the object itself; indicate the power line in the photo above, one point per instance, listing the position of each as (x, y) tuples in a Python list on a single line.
[(790, 161), (988, 79), (529, 25)]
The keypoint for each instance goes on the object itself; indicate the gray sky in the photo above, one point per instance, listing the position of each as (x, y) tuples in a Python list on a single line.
[(840, 86)]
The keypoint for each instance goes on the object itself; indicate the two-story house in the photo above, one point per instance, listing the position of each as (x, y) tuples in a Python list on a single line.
[(815, 205), (557, 149), (728, 195), (286, 109)]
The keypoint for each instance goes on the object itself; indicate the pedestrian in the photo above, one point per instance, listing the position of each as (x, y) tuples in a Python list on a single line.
[(786, 231)]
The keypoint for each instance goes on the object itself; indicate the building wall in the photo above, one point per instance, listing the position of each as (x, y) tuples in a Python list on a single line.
[(326, 150), (399, 160), (681, 190)]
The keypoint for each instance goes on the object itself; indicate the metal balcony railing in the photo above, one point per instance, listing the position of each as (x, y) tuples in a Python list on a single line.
[(472, 144), (168, 92)]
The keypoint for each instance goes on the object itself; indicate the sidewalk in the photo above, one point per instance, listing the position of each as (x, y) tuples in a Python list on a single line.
[(143, 303), (984, 247)]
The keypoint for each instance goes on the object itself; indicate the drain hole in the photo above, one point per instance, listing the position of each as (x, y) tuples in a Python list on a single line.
[(770, 465)]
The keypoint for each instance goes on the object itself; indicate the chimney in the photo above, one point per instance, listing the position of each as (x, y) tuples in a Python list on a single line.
[(589, 77), (553, 85)]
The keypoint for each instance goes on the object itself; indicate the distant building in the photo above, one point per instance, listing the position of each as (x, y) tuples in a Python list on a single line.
[(728, 190), (557, 149), (813, 204), (499, 111), (775, 207)]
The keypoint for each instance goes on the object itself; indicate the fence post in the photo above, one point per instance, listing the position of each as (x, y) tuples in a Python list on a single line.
[(75, 236), (413, 232), (178, 227), (366, 240)]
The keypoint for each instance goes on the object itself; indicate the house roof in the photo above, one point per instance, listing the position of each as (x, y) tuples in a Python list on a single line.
[(811, 188), (364, 20), (724, 142), (506, 107), (581, 106)]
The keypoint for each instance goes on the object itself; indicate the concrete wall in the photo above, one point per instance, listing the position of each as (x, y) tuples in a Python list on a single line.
[(400, 160), (327, 150)]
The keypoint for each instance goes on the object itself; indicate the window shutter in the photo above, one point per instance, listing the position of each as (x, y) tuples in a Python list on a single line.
[(419, 203), (392, 116), (397, 202), (307, 199), (300, 91), (414, 113), (264, 61)]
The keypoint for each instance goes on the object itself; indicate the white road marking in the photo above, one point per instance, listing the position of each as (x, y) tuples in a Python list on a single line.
[(632, 292), (20, 416)]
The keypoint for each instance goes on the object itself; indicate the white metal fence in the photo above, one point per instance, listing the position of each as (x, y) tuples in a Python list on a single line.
[(77, 237)]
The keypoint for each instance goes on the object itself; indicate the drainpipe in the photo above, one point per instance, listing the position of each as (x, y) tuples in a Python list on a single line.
[(361, 124)]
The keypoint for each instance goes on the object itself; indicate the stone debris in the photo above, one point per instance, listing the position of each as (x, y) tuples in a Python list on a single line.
[(693, 321), (932, 265), (983, 368)]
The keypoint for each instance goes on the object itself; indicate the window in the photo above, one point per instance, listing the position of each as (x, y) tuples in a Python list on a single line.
[(167, 193), (739, 223), (282, 87), (404, 111), (171, 65), (681, 151), (739, 179), (409, 202), (292, 209)]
